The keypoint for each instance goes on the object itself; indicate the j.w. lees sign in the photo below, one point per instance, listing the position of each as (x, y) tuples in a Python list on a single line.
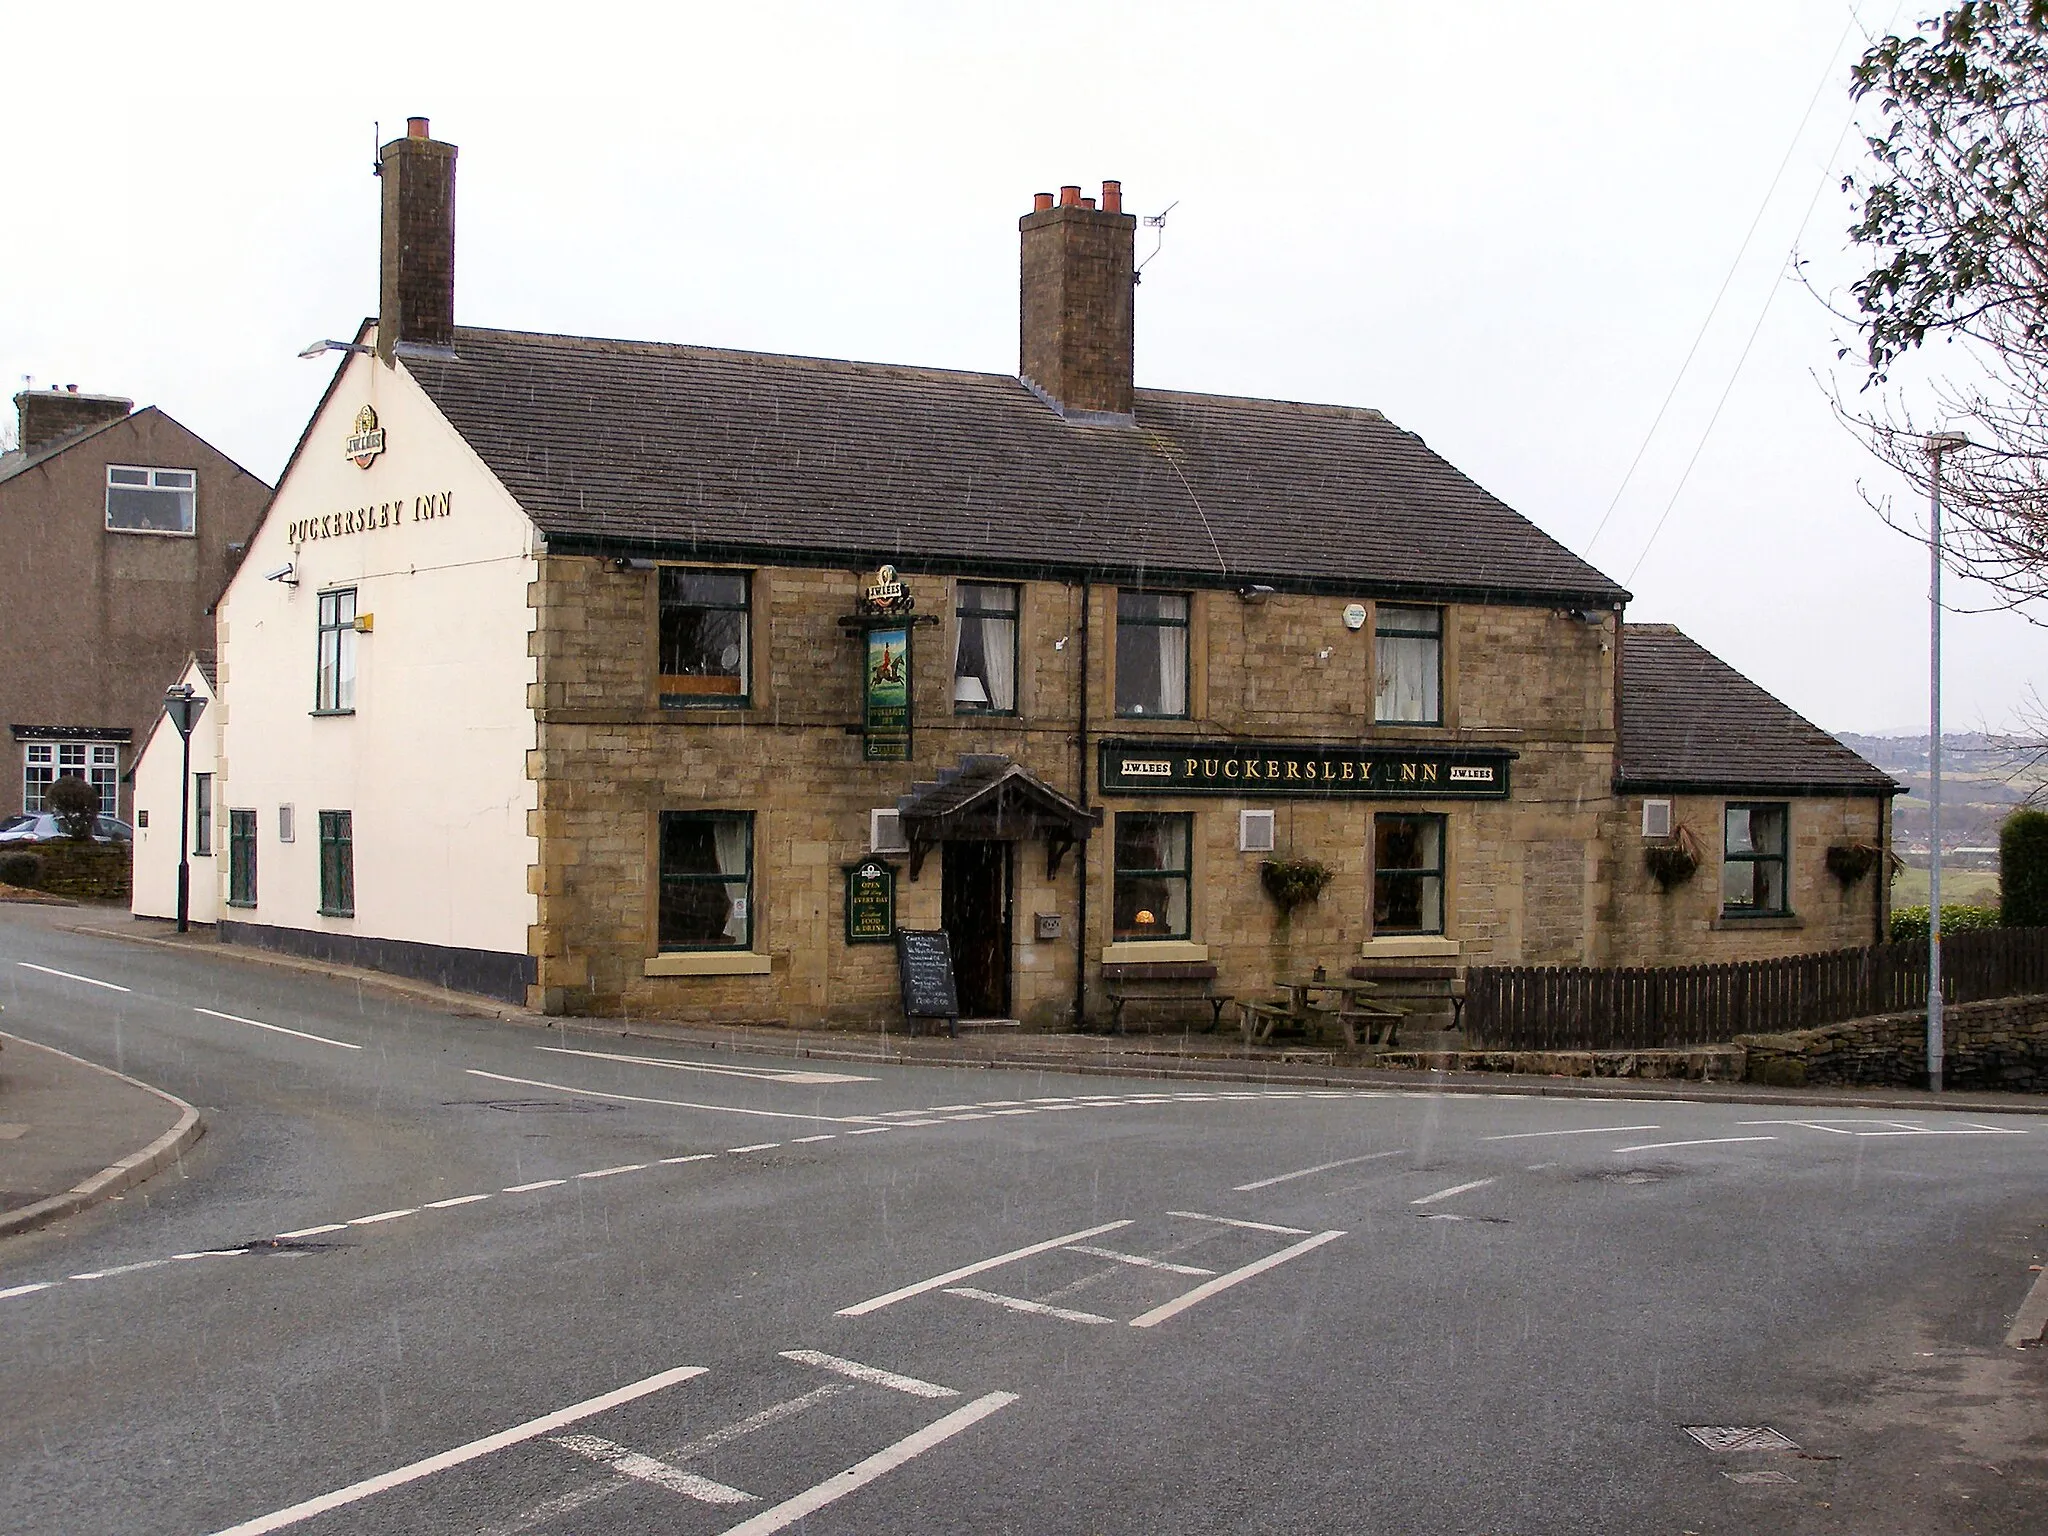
[(1247, 768), (381, 514)]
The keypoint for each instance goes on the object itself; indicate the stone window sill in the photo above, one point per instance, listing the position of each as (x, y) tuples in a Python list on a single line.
[(1410, 946), (1734, 922), (1154, 949), (707, 962)]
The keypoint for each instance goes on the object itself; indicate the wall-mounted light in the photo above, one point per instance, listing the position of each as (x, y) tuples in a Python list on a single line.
[(318, 348), (1254, 592), (627, 563)]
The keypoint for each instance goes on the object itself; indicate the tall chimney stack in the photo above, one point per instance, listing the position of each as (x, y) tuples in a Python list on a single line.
[(416, 301), (1076, 304), (44, 416)]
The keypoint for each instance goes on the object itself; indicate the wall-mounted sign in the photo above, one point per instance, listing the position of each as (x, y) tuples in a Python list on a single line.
[(885, 719), (871, 903), (384, 514), (888, 594), (1336, 772), (367, 441)]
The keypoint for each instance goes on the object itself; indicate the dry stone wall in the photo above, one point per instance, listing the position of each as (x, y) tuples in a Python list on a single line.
[(1998, 1044)]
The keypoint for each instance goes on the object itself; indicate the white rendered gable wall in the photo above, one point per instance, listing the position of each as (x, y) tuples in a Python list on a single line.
[(156, 792), (432, 764)]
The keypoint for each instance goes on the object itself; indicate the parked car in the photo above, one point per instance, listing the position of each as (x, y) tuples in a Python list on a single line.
[(41, 827)]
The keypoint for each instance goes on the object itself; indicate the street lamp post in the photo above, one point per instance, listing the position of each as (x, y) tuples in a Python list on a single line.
[(183, 704), (1936, 444)]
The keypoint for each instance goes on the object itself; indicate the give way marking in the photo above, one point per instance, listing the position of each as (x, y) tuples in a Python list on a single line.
[(793, 1076)]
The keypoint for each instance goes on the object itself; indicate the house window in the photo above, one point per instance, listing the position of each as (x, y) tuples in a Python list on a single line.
[(334, 692), (1753, 861), (1152, 655), (985, 650), (241, 858), (202, 813), (1151, 889), (1407, 874), (1409, 646), (150, 500), (337, 865), (48, 761), (703, 637), (707, 880)]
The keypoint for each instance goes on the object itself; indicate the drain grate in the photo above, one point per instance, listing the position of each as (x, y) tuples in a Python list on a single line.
[(1738, 1437)]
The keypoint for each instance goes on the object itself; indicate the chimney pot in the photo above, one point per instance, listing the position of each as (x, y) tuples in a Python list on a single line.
[(1088, 203), (416, 128), (1112, 197), (1041, 201), (1070, 197)]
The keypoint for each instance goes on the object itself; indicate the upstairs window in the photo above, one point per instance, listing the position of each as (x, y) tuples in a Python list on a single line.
[(1152, 655), (48, 761), (334, 691), (151, 500), (1409, 646), (1753, 861), (704, 638), (985, 650)]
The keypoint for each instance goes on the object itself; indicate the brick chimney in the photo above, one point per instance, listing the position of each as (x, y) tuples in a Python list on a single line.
[(1075, 313), (46, 415), (416, 302)]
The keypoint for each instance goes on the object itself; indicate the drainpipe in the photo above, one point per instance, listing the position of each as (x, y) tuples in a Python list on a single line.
[(1081, 852)]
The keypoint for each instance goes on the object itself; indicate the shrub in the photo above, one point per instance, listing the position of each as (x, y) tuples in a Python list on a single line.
[(21, 868), (1909, 924), (2023, 870), (74, 803)]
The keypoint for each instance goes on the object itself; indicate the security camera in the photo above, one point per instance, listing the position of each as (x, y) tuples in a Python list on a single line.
[(283, 573)]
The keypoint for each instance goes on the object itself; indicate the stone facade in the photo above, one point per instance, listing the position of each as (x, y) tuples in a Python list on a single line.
[(1998, 1044)]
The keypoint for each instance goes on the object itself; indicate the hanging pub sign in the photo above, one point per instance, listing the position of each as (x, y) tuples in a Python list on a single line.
[(885, 718), (870, 903), (1244, 768), (888, 595)]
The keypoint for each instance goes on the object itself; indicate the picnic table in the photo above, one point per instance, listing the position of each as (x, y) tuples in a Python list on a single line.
[(1306, 1004)]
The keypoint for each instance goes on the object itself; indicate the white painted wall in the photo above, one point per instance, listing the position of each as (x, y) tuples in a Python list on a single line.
[(433, 762), (155, 891)]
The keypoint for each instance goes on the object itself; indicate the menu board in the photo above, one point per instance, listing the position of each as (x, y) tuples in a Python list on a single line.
[(924, 963)]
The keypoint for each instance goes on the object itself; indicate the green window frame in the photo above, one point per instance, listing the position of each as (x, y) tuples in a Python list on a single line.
[(337, 864), (334, 679), (705, 639), (1152, 655), (1408, 873), (1408, 660), (985, 648), (1755, 847), (241, 858), (1152, 880), (707, 881), (202, 815)]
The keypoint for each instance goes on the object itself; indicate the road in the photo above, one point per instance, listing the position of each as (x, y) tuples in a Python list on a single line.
[(430, 1273)]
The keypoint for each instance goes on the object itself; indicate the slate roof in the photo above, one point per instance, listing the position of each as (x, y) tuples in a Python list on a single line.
[(1691, 721), (15, 461), (637, 447)]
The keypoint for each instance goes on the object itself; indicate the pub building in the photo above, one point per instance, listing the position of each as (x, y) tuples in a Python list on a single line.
[(620, 677)]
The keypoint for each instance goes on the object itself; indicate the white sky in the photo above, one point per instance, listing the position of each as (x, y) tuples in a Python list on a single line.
[(1500, 223)]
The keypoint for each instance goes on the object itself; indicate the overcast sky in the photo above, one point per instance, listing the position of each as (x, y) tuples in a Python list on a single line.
[(1501, 224)]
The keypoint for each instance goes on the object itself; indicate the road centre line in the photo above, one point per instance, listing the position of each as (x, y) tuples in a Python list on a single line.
[(332, 1226), (453, 1200), (605, 1173), (370, 1221), (874, 1375), (1139, 1260), (890, 1298), (276, 1029), (1710, 1141), (861, 1473), (758, 1146), (1224, 1282), (1302, 1173), (29, 1289), (1584, 1130), (532, 1429), (630, 1098), (520, 1189), (90, 981), (1019, 1304), (792, 1076), (688, 1157), (804, 1141), (1249, 1226), (1455, 1189), (645, 1469)]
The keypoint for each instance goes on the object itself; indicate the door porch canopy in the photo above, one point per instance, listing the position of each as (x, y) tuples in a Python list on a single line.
[(992, 799)]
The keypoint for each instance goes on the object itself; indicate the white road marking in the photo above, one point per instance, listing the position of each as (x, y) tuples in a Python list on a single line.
[(2031, 1322), (605, 1173), (645, 1469), (120, 1269), (874, 1375), (1302, 1173), (873, 1130), (453, 1200), (758, 1146), (532, 1429), (629, 1098), (1019, 1304), (802, 1141), (876, 1303), (1455, 1189), (762, 1074), (1139, 1260), (1249, 1226), (691, 1157), (861, 1473), (775, 1413), (29, 1290), (1892, 1128), (91, 981), (1224, 1282), (370, 1221), (520, 1189), (1584, 1130), (1710, 1141), (276, 1029), (332, 1226), (210, 1253)]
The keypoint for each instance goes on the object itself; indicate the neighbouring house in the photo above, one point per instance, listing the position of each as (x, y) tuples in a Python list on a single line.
[(159, 814), (122, 527), (613, 676)]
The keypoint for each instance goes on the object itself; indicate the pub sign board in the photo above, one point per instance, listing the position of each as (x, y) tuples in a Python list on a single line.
[(870, 902), (885, 719), (924, 967), (1251, 769)]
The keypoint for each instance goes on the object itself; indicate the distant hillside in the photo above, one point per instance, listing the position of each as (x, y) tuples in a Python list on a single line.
[(1983, 779)]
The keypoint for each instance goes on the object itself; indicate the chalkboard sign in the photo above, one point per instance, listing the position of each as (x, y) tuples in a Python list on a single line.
[(924, 963)]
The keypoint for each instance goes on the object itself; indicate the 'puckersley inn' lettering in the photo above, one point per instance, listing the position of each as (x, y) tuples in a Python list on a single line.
[(382, 514), (1247, 768)]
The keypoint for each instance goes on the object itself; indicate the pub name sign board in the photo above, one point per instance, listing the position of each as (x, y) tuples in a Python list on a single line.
[(1245, 768)]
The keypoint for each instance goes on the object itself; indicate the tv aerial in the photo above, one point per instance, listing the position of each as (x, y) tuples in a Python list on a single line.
[(1157, 223)]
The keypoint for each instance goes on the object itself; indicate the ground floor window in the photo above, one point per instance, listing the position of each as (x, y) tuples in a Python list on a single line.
[(99, 764), (202, 813), (1407, 874), (241, 858), (337, 865), (1150, 897), (1753, 861), (707, 880)]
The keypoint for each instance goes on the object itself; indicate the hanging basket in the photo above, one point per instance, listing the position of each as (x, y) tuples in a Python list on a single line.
[(1672, 860), (1292, 882), (1850, 862)]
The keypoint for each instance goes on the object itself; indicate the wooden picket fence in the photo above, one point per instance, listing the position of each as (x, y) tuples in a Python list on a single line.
[(1579, 1008)]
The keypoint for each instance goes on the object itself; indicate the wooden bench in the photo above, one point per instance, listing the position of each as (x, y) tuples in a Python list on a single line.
[(1417, 981), (1352, 1009), (1162, 981)]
